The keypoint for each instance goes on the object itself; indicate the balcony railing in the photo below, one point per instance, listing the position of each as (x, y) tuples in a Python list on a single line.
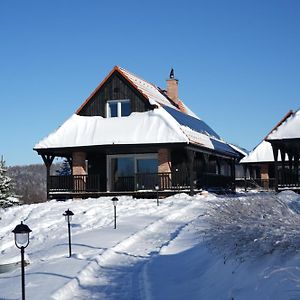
[(75, 183), (145, 181)]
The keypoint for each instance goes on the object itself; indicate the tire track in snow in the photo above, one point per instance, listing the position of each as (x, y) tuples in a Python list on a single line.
[(119, 272)]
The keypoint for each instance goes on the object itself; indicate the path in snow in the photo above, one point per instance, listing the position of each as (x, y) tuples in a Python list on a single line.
[(119, 272)]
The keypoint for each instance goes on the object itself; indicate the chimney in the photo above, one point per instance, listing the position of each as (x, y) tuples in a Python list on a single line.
[(172, 87)]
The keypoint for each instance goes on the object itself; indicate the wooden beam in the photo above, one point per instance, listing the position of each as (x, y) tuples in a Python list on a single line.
[(191, 156), (48, 160)]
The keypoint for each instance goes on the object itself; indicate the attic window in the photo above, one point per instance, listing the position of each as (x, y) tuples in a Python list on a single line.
[(118, 108)]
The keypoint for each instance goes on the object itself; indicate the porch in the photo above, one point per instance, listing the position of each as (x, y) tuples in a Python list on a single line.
[(138, 185)]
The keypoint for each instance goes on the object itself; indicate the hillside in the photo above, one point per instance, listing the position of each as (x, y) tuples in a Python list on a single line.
[(30, 182), (201, 247)]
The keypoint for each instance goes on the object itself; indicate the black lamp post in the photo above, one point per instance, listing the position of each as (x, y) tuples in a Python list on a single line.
[(115, 202), (157, 198), (68, 216), (21, 233)]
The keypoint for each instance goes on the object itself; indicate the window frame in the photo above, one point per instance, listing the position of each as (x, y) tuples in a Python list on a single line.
[(119, 107)]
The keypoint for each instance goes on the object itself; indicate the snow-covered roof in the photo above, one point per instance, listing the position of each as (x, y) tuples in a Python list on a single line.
[(289, 129), (149, 127), (261, 153)]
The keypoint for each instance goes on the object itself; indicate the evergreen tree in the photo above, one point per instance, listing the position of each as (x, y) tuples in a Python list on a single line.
[(65, 169), (6, 196)]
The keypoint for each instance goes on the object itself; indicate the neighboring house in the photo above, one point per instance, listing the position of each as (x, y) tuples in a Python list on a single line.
[(129, 136), (259, 166), (285, 141)]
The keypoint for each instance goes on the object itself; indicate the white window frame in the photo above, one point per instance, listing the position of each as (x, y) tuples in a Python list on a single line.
[(119, 107)]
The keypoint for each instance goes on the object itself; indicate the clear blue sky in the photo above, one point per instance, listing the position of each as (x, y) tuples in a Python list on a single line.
[(237, 62)]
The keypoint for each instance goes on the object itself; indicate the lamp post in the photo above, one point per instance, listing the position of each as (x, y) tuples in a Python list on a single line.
[(115, 202), (21, 233), (68, 216), (157, 198)]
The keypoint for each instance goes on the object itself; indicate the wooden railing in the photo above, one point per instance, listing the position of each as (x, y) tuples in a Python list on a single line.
[(75, 183), (145, 181), (288, 179)]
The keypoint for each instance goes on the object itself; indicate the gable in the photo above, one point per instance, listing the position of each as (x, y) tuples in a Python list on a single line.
[(114, 87)]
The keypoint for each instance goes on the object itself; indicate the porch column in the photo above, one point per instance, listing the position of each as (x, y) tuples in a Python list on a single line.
[(283, 176), (164, 166), (296, 165), (232, 171), (48, 159), (264, 175), (79, 169), (245, 167), (191, 156), (275, 153)]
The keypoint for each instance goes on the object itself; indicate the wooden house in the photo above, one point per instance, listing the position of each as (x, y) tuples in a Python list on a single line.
[(259, 164), (285, 141), (129, 136)]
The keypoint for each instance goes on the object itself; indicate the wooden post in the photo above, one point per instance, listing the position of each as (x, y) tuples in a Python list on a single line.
[(275, 153), (48, 160), (245, 167), (232, 165), (191, 156), (296, 166), (283, 173), (205, 169)]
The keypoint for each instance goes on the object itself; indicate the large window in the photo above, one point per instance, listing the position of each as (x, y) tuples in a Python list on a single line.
[(132, 172), (118, 108)]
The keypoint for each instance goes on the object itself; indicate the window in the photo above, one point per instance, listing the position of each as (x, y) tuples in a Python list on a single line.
[(128, 172), (118, 108)]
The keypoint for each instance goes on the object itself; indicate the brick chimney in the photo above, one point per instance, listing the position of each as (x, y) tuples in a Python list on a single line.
[(172, 87)]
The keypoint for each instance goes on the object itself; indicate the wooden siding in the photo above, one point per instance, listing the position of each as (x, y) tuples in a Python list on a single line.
[(115, 88), (97, 166)]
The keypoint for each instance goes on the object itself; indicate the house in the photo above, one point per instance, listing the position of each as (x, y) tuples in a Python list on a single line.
[(129, 136), (285, 141), (259, 166)]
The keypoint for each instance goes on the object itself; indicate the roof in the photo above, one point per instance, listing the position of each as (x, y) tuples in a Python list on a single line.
[(164, 124), (264, 152), (261, 153), (191, 122), (289, 128), (154, 94), (151, 127)]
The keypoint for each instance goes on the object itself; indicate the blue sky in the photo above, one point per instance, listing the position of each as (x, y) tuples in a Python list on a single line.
[(237, 62)]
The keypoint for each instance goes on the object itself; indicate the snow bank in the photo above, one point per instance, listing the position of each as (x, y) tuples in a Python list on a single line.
[(202, 247)]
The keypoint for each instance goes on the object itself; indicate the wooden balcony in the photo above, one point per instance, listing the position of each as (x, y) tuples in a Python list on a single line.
[(93, 185)]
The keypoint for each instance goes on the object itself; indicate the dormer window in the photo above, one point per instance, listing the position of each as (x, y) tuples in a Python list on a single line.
[(118, 108)]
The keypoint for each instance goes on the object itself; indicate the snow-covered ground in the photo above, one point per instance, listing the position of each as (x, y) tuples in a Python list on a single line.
[(244, 246)]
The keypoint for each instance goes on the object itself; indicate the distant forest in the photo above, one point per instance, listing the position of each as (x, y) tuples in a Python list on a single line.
[(29, 182)]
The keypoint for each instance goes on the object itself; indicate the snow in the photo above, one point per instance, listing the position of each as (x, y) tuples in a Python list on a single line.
[(243, 246), (151, 127), (261, 153), (288, 129), (155, 126)]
